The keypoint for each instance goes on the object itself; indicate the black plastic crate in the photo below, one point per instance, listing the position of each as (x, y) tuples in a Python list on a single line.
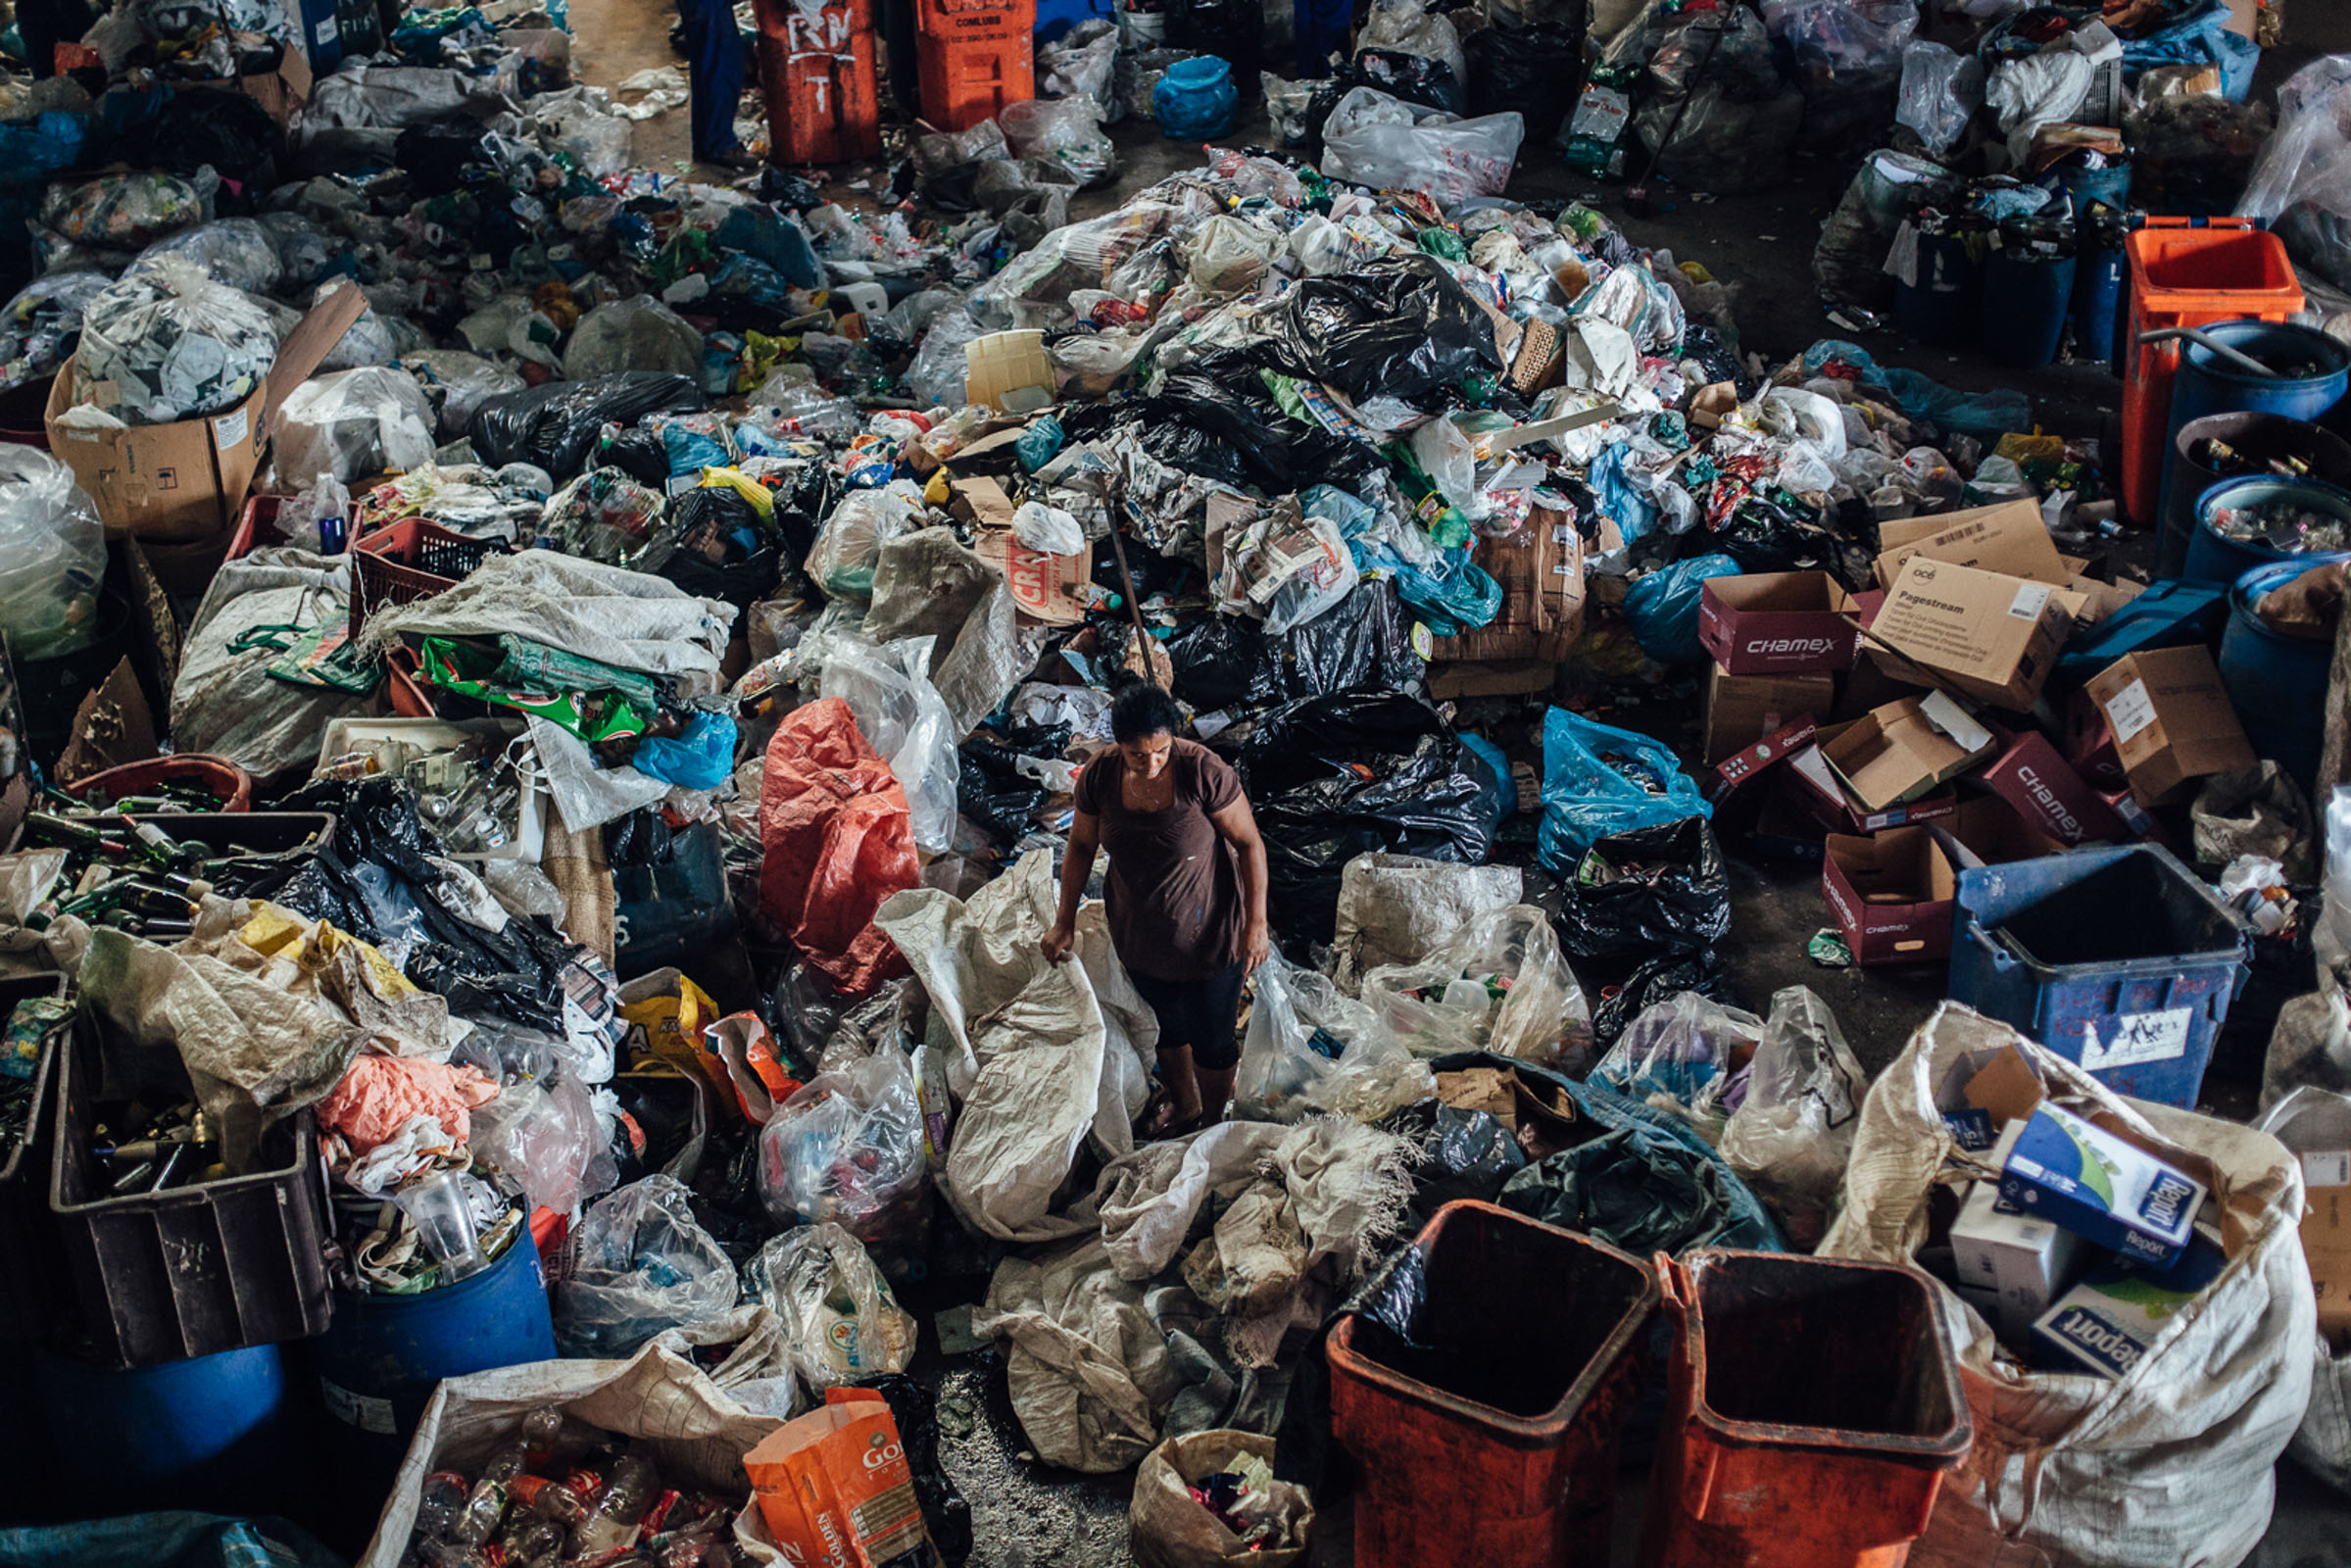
[(32, 1263), (196, 1270)]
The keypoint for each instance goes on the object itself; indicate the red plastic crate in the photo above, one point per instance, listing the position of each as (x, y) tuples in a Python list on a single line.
[(261, 526), (409, 561)]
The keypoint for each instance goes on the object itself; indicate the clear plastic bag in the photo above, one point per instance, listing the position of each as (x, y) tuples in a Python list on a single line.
[(1064, 131), (848, 549), (1410, 28), (606, 516), (541, 1133), (898, 710), (846, 1149), (234, 251), (52, 556), (354, 424), (1230, 255), (1792, 1137), (465, 381), (123, 211), (1084, 60), (172, 345), (1302, 1031), (936, 375), (40, 325), (1941, 90), (1848, 57), (1499, 985), (1681, 1057), (841, 1322), (637, 1264), (633, 335), (1373, 139)]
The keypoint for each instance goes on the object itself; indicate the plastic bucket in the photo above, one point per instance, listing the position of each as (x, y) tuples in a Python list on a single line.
[(2025, 301), (2117, 959), (2209, 384), (2278, 683), (211, 1431), (1491, 1442), (1812, 1407), (1943, 306), (2260, 436), (2213, 558)]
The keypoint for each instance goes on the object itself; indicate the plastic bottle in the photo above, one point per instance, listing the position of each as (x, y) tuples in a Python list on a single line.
[(561, 1504), (612, 1521), (533, 1537), (478, 1520), (507, 1463), (442, 1498)]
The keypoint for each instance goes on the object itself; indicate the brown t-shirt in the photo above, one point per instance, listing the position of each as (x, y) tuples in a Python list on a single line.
[(1175, 903)]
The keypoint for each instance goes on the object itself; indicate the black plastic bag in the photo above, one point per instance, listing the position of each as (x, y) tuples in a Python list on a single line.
[(673, 907), (228, 130), (1414, 78), (1217, 419), (1652, 982), (1222, 662), (1400, 328), (636, 452), (1460, 1155), (436, 154), (1353, 773), (945, 1514), (1652, 890), (991, 791), (1535, 72), (1632, 1188), (1764, 535), (1232, 30), (556, 426), (712, 522)]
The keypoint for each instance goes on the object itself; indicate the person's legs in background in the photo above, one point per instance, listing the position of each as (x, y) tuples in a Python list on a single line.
[(714, 68), (1197, 1045)]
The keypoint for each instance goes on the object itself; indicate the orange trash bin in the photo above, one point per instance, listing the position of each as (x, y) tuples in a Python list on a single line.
[(816, 73), (1812, 1406), (973, 57), (1491, 1442)]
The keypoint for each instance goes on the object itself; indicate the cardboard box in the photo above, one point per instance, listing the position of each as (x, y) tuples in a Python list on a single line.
[(1505, 677), (1778, 624), (282, 91), (1744, 764), (1892, 894), (1712, 403), (2025, 1260), (2104, 1324), (1051, 589), (1982, 1091), (1742, 710), (1823, 794), (2171, 720), (183, 483), (1987, 830), (1983, 634), (2326, 1247), (2009, 538), (1900, 752), (1008, 370), (2054, 1164), (1540, 570), (2028, 773), (2089, 744)]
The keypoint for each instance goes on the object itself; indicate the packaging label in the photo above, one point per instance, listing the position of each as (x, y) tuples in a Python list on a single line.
[(2129, 710), (2031, 599), (2137, 1038), (326, 30), (2331, 1168), (230, 430), (368, 1413)]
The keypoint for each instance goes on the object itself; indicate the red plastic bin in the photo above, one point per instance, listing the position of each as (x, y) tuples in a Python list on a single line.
[(230, 784), (2186, 272), (816, 73), (263, 525), (972, 58), (1492, 1443), (1812, 1406), (408, 561)]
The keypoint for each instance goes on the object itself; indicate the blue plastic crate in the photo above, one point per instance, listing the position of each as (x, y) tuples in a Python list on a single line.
[(2117, 959)]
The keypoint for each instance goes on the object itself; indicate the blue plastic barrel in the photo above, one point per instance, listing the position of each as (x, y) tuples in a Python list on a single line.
[(1195, 99), (2098, 273), (322, 35), (2278, 683), (1942, 307), (381, 1357), (2117, 959), (2209, 384), (2215, 558), (2027, 297), (214, 1432)]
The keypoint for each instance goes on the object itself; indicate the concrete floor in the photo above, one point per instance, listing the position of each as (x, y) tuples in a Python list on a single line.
[(1030, 1518)]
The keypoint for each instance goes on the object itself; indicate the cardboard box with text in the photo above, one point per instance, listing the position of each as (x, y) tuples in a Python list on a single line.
[(1981, 634), (2171, 720), (1778, 624)]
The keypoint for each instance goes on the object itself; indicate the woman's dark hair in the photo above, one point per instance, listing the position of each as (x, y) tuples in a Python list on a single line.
[(1138, 709)]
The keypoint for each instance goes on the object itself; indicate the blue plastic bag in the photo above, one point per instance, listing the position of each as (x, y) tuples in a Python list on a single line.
[(1460, 595), (2199, 39), (1502, 798), (1922, 397), (1633, 512), (699, 759), (1598, 780), (1662, 608)]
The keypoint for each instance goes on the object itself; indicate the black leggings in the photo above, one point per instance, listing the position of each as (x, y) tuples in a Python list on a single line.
[(1199, 1014)]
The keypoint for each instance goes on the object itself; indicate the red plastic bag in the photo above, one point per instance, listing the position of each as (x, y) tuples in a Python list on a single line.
[(838, 840)]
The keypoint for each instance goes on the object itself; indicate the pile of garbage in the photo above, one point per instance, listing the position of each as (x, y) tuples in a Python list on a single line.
[(584, 824)]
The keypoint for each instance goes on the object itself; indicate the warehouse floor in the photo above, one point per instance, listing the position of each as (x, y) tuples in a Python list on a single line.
[(1762, 244)]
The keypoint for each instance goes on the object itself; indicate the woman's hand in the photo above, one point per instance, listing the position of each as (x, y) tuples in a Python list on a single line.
[(1256, 946), (1058, 941)]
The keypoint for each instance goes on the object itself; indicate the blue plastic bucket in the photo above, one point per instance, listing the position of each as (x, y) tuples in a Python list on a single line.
[(383, 1356), (2026, 300), (2209, 384), (1942, 307), (2215, 558), (212, 1432), (2278, 683), (2117, 959)]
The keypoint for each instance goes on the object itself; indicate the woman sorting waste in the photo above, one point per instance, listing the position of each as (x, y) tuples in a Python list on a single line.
[(1186, 893)]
